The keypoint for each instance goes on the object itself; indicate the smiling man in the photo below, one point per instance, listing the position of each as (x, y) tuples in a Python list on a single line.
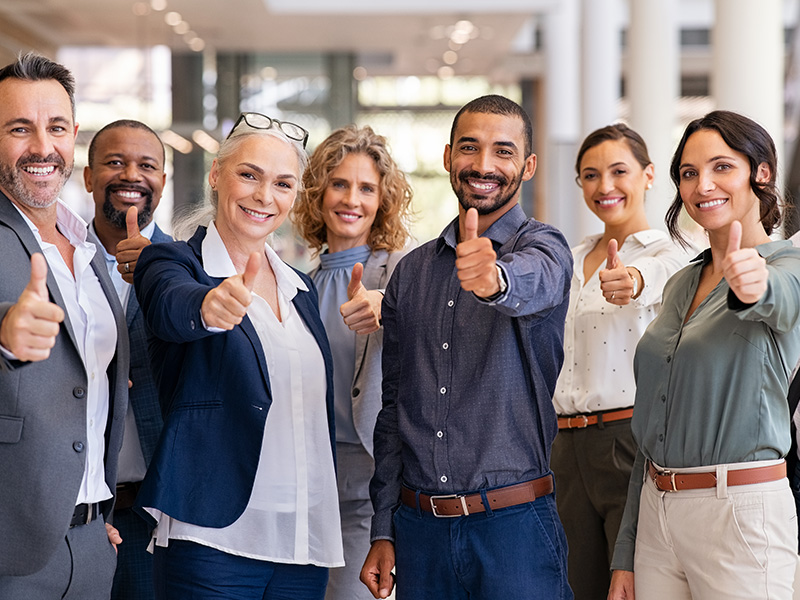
[(473, 330), (63, 355), (125, 172)]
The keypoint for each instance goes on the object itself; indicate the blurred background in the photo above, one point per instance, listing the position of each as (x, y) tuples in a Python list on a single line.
[(188, 67)]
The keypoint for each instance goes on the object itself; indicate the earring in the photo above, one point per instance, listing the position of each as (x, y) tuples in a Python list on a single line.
[(649, 186)]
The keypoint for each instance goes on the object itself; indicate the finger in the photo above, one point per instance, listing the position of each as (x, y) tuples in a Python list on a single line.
[(38, 281), (734, 237), (471, 225), (355, 281), (611, 262), (132, 222), (251, 270), (386, 582)]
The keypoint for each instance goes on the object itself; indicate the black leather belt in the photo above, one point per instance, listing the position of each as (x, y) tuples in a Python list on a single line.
[(84, 514)]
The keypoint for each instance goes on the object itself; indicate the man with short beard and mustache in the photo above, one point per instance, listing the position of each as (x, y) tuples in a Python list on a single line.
[(63, 355), (125, 176), (473, 343)]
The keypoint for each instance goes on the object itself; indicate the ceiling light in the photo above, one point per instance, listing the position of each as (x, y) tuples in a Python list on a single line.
[(450, 57), (359, 73), (445, 72), (205, 141), (180, 143), (197, 44), (172, 18), (181, 28), (140, 9), (158, 5), (269, 73)]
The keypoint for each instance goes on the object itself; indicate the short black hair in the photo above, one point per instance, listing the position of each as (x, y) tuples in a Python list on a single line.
[(35, 67), (497, 105), (132, 124)]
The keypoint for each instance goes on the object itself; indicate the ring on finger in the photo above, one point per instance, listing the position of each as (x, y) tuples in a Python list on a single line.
[(612, 294), (127, 267)]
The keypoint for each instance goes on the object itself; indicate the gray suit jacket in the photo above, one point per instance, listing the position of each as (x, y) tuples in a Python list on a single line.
[(43, 416), (366, 388)]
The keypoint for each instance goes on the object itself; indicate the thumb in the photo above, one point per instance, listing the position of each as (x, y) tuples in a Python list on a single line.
[(612, 254), (132, 222), (471, 225), (734, 237), (355, 281), (38, 282), (251, 270)]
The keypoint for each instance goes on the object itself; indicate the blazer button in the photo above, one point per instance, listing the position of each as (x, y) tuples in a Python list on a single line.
[(356, 391), (192, 324), (78, 446), (79, 393)]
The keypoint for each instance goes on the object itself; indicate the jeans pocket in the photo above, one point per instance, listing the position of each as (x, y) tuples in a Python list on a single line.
[(747, 512)]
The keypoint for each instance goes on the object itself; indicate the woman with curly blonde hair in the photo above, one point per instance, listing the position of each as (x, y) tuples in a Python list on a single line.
[(355, 205)]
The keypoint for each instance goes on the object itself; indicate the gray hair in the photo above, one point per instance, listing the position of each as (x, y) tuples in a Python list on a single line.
[(184, 226), (35, 67)]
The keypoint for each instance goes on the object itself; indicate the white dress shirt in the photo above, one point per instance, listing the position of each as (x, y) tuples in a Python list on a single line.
[(132, 467), (95, 331), (293, 512), (600, 338)]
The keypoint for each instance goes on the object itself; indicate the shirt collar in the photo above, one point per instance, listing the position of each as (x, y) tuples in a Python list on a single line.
[(217, 263), (499, 231), (68, 222)]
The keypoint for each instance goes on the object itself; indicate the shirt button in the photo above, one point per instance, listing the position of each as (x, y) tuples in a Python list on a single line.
[(669, 358), (443, 390), (450, 303), (663, 398), (660, 437), (445, 346), (439, 434), (443, 478)]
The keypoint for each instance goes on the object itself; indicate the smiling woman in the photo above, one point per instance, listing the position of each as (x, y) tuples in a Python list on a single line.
[(356, 202), (245, 379)]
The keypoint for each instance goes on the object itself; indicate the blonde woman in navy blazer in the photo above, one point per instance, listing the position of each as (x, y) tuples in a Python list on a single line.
[(242, 485), (355, 205)]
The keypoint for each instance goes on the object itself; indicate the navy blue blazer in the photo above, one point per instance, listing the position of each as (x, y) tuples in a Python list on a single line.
[(214, 389)]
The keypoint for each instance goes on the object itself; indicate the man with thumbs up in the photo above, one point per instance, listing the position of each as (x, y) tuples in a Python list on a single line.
[(473, 329), (63, 355), (125, 176)]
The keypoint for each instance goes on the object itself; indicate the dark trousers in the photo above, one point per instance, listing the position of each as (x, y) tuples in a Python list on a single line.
[(81, 568), (188, 571), (133, 579), (516, 552), (592, 467)]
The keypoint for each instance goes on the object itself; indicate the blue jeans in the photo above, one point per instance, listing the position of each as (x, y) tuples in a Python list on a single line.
[(515, 552), (192, 571)]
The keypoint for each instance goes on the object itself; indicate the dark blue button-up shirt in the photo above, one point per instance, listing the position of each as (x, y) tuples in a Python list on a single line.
[(468, 384)]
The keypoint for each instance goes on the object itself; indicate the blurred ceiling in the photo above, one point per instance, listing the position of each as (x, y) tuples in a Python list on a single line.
[(497, 38)]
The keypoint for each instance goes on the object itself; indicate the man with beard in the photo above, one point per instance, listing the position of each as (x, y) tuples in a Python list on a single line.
[(473, 329), (125, 176), (63, 355)]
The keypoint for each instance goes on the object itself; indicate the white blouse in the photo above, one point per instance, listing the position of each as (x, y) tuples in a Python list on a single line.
[(600, 338), (293, 512)]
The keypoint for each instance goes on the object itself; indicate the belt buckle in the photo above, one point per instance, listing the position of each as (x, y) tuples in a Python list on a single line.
[(671, 475), (583, 424), (461, 497)]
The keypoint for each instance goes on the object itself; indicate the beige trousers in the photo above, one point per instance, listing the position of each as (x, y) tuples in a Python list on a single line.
[(722, 543)]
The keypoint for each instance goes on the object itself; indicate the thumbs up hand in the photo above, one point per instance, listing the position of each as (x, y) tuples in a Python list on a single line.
[(362, 311), (617, 280), (30, 326), (128, 250), (476, 260), (225, 306), (743, 268)]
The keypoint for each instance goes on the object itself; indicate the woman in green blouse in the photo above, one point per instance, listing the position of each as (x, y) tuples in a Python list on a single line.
[(709, 511)]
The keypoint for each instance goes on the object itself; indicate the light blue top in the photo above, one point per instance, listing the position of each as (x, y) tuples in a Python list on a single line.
[(332, 279)]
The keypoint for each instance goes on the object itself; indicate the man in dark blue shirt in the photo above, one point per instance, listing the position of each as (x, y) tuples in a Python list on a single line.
[(473, 330)]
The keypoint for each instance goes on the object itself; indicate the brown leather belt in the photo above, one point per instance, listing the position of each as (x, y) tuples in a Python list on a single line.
[(670, 481), (460, 505), (583, 421), (126, 495)]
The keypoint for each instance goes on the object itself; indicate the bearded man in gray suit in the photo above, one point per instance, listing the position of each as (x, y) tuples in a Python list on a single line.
[(63, 355)]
